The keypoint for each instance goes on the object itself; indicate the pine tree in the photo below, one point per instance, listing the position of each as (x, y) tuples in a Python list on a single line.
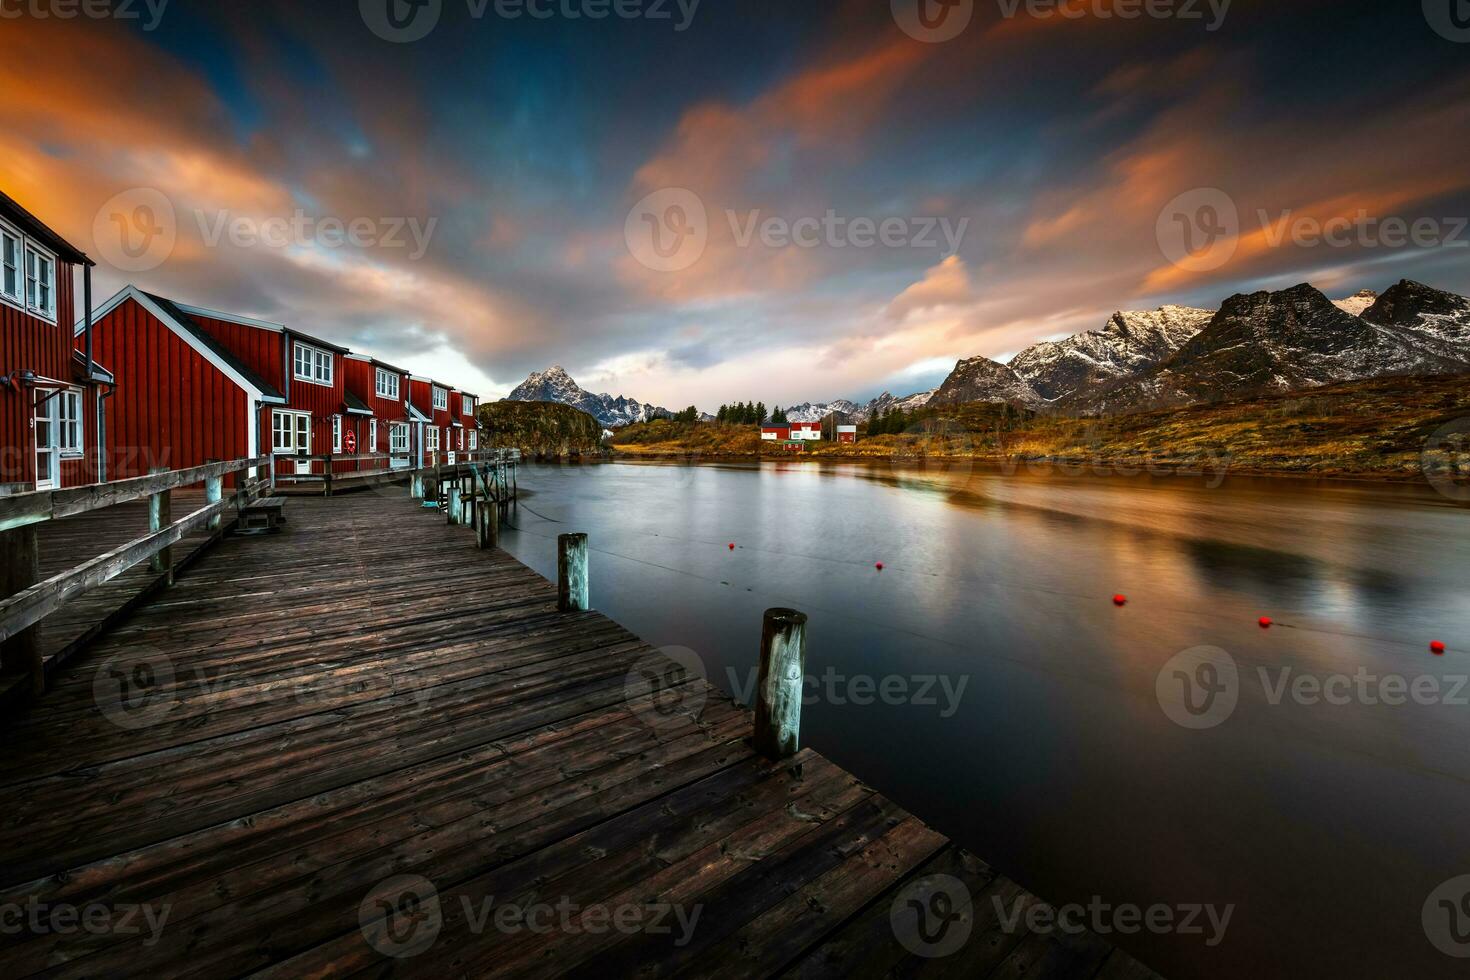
[(760, 413), (723, 415)]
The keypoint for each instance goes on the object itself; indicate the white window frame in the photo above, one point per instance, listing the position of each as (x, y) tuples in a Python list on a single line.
[(336, 433), (372, 435), (43, 258), (431, 438), (474, 439), (294, 444), (386, 384), (71, 432), (467, 405), (441, 398), (398, 438), (320, 369), (9, 234)]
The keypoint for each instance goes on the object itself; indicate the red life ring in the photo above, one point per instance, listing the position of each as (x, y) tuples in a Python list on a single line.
[(349, 441)]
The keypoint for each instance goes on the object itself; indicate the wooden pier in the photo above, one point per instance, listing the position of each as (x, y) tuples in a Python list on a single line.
[(366, 746)]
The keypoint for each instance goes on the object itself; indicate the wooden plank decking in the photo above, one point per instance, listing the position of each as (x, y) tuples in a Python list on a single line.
[(65, 543), (362, 738)]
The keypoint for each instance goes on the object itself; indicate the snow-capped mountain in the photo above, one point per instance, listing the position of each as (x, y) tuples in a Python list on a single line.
[(979, 379), (883, 403), (1130, 343), (555, 385), (1298, 338), (815, 412), (1357, 303)]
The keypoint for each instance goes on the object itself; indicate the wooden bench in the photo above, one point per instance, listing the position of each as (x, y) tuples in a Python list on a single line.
[(265, 514)]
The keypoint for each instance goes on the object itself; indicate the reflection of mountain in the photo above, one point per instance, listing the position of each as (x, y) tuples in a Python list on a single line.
[(555, 385)]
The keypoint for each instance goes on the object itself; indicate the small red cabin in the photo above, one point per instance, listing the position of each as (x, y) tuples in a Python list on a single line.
[(775, 432), (49, 390)]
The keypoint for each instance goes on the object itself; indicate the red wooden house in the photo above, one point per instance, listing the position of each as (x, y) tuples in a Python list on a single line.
[(49, 391), (201, 384), (430, 402), (383, 425)]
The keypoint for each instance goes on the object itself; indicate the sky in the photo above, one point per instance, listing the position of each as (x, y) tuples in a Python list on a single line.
[(702, 201)]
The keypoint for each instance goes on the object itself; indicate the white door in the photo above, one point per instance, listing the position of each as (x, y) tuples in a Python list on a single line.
[(303, 443), (48, 443)]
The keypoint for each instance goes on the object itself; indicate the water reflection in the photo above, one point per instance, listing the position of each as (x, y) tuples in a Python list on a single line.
[(1327, 824)]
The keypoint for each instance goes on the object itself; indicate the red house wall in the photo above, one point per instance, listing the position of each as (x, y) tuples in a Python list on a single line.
[(28, 342), (172, 407)]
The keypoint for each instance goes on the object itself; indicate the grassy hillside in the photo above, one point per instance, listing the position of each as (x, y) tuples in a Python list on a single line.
[(541, 429), (1368, 428)]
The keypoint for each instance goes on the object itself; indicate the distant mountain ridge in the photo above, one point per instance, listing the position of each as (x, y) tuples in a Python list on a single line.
[(555, 385), (1256, 343)]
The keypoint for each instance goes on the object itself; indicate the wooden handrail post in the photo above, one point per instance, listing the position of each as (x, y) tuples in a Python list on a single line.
[(20, 568), (451, 503), (779, 687), (214, 492), (489, 526), (327, 475), (160, 516), (571, 573)]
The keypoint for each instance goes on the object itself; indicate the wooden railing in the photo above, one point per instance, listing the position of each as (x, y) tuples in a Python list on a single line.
[(322, 469), (33, 600)]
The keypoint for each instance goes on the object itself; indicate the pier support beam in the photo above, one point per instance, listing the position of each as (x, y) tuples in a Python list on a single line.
[(214, 492), (779, 687), (416, 485), (20, 568), (160, 516), (452, 503), (571, 573), (487, 523)]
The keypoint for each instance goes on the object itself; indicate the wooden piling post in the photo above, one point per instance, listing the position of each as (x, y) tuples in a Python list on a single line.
[(452, 503), (214, 492), (488, 530), (327, 475), (779, 687), (160, 516), (571, 573), (20, 568)]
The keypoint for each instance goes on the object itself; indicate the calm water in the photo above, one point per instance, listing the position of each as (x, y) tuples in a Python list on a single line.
[(1326, 825)]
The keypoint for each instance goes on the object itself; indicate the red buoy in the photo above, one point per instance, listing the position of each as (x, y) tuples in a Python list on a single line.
[(1265, 622), (732, 545), (1437, 648), (1120, 600), (879, 566)]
